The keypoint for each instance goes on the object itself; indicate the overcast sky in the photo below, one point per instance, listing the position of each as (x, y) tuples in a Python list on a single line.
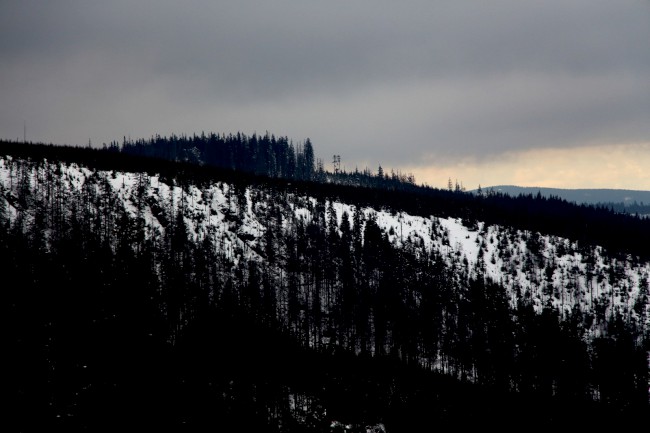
[(534, 93)]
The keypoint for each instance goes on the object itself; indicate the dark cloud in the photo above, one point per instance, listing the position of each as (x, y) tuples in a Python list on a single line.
[(375, 81)]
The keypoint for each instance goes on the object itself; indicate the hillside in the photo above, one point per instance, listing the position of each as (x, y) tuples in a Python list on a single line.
[(287, 304), (622, 200)]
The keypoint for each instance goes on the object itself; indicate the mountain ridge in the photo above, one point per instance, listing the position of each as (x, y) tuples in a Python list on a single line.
[(577, 195)]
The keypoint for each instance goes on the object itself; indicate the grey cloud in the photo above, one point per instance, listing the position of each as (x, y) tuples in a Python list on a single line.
[(401, 81)]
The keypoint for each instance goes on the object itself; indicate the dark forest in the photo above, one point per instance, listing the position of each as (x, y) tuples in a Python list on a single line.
[(121, 313)]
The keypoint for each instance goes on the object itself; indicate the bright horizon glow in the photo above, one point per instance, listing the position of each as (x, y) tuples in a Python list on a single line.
[(621, 166)]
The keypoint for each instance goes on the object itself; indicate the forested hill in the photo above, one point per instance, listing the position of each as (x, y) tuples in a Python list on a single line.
[(148, 292), (236, 156), (620, 200)]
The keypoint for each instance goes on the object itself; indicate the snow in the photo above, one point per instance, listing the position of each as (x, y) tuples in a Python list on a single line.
[(505, 255)]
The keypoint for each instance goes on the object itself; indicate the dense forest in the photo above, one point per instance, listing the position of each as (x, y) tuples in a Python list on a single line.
[(232, 282)]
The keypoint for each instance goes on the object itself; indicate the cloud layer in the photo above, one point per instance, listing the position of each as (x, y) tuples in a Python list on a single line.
[(402, 84)]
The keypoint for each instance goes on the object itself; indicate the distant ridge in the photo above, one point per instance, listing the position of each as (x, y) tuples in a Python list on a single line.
[(579, 196)]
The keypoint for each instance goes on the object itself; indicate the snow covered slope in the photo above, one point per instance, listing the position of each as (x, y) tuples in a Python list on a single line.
[(545, 269)]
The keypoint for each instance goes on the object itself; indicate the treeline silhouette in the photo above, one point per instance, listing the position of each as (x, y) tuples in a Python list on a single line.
[(115, 324), (263, 155)]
